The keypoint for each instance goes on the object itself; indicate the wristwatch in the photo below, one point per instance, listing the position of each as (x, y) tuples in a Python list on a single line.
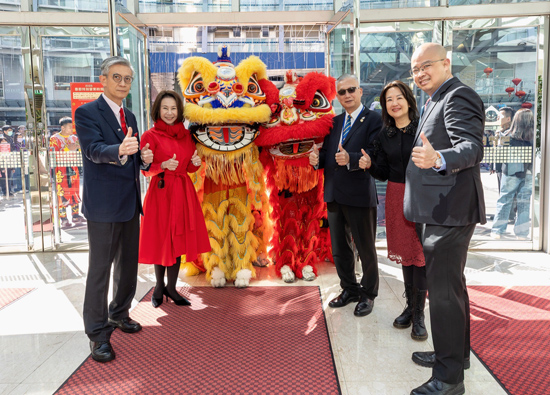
[(438, 161)]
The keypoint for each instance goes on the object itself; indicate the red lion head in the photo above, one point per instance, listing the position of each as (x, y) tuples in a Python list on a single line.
[(302, 115)]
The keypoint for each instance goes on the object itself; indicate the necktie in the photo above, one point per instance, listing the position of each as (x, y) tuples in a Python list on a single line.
[(123, 122), (347, 128)]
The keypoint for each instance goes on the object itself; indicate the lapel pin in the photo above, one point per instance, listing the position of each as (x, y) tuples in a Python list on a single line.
[(362, 119)]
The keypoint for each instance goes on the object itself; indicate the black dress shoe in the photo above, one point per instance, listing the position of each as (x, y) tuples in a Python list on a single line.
[(127, 325), (427, 359), (436, 387), (364, 307), (102, 351), (343, 299), (156, 302)]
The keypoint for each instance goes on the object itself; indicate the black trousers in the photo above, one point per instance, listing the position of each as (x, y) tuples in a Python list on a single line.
[(344, 223), (446, 251), (110, 242)]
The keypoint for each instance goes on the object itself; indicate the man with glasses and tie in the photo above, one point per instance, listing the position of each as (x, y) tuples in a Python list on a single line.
[(444, 197), (111, 203), (350, 194)]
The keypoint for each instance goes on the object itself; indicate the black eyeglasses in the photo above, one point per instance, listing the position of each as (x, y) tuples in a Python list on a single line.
[(425, 67), (127, 79), (351, 90), (161, 181)]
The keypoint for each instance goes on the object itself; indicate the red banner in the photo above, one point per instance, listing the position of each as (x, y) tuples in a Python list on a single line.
[(84, 92)]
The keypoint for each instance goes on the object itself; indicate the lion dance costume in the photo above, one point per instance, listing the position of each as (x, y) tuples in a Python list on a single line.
[(304, 118), (225, 105), (67, 180)]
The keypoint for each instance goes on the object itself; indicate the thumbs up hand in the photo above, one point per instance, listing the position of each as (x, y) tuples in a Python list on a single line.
[(342, 156), (195, 159), (424, 156), (365, 161), (129, 145), (170, 164), (146, 154), (314, 156)]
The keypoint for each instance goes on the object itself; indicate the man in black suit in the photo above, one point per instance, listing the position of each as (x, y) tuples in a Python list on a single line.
[(111, 202), (444, 196), (350, 194)]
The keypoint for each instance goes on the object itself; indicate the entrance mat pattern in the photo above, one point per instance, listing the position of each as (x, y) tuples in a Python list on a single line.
[(510, 333), (257, 340)]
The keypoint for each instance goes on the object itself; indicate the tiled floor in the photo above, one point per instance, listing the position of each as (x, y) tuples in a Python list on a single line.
[(42, 340)]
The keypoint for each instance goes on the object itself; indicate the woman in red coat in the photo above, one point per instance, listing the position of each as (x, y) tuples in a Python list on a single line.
[(173, 224)]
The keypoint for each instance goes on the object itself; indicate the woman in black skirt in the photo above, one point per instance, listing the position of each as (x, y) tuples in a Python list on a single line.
[(393, 148)]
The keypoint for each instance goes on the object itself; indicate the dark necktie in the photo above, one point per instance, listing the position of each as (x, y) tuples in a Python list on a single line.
[(347, 128), (123, 122)]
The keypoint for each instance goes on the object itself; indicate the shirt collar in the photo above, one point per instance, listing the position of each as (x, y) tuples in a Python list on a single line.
[(440, 86), (356, 113), (115, 107)]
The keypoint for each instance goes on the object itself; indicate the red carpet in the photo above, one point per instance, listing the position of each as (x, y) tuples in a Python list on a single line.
[(258, 340), (510, 333), (10, 295)]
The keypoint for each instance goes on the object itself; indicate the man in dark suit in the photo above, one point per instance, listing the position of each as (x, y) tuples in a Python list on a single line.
[(111, 202), (444, 196), (350, 194)]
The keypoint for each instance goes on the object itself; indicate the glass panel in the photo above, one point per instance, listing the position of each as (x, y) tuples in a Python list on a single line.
[(288, 5), (386, 51), (501, 62), (340, 48), (170, 6), (132, 45), (368, 4), (74, 5), (10, 5), (13, 138), (300, 48), (69, 55), (469, 2)]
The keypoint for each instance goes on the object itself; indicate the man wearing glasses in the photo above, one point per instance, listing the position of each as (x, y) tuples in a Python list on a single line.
[(111, 203), (350, 194), (444, 196)]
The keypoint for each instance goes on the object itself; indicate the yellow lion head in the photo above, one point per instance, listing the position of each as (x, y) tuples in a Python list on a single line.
[(224, 103)]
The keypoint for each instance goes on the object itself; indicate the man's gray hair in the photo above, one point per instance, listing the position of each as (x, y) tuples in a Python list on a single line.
[(346, 76), (113, 60), (65, 120)]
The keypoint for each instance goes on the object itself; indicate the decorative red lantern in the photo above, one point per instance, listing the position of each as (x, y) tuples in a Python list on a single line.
[(488, 71), (520, 94), (509, 90), (526, 105), (516, 81)]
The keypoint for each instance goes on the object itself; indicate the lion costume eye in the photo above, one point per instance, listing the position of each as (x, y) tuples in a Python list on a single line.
[(320, 103), (254, 89), (195, 86)]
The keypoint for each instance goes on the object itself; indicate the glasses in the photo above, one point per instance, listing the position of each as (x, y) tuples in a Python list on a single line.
[(161, 181), (118, 79), (425, 67), (351, 90)]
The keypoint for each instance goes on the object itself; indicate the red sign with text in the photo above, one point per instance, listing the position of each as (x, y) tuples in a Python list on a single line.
[(82, 93)]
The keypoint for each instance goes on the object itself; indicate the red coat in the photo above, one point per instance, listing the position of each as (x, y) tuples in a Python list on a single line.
[(173, 223)]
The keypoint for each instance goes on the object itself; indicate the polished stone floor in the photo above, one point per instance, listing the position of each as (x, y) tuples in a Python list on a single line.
[(42, 339)]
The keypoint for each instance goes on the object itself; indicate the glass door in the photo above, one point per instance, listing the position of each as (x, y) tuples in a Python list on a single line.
[(502, 60), (16, 217)]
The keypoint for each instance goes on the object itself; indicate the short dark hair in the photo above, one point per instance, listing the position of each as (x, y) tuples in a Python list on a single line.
[(155, 111), (509, 111), (406, 91)]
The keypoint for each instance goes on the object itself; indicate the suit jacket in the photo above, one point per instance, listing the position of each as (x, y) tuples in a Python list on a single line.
[(353, 186), (111, 189), (453, 123)]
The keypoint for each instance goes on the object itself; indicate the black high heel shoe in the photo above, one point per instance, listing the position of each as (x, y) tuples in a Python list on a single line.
[(156, 302), (179, 302)]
